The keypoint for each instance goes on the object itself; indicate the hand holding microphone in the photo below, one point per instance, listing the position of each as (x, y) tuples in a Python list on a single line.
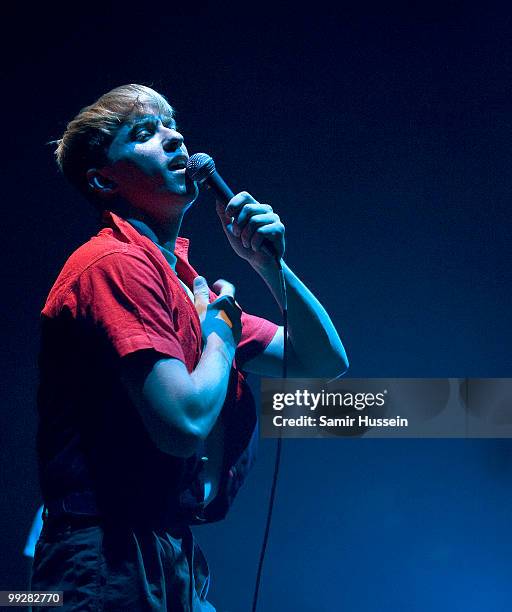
[(253, 229)]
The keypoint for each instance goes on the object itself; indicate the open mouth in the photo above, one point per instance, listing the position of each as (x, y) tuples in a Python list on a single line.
[(179, 164)]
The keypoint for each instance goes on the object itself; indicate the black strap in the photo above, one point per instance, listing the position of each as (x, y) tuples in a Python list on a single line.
[(75, 504)]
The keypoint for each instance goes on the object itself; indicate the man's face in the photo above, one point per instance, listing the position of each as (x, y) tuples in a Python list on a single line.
[(147, 161)]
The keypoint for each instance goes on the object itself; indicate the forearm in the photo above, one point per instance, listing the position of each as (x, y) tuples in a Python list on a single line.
[(210, 383), (317, 350), (315, 341)]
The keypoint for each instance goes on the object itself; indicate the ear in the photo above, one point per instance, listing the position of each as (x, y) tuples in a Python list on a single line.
[(100, 184)]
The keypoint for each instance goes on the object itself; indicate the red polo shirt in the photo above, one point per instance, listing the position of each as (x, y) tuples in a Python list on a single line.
[(116, 295), (121, 281)]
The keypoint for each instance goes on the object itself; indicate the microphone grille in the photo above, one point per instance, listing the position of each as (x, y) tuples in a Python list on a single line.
[(199, 167)]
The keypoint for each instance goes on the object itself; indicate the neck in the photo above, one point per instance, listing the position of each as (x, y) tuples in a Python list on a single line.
[(163, 232)]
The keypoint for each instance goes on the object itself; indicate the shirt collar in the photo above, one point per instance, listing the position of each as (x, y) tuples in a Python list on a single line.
[(148, 232), (128, 233)]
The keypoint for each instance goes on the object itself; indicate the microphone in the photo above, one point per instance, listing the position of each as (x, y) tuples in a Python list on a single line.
[(201, 169)]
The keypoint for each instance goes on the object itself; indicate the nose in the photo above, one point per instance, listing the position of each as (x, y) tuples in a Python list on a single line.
[(172, 140)]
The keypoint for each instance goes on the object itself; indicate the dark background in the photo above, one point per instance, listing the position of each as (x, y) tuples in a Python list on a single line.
[(382, 140)]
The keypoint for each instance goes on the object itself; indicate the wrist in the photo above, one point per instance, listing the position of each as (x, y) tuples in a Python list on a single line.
[(267, 268)]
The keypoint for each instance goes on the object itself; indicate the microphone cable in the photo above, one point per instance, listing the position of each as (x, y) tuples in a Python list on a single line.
[(277, 461)]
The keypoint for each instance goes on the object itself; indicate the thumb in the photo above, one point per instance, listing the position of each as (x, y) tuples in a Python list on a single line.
[(227, 221), (201, 294)]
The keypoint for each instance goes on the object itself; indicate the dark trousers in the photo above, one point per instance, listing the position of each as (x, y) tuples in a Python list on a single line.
[(102, 566)]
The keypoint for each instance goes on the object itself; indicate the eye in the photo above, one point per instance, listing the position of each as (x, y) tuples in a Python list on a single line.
[(143, 130), (143, 134)]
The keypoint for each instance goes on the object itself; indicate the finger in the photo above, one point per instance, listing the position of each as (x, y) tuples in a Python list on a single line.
[(253, 224), (274, 233), (201, 294), (227, 221), (237, 202), (224, 287), (221, 211), (247, 213)]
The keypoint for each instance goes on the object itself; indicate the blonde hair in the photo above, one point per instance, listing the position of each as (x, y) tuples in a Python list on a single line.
[(87, 137)]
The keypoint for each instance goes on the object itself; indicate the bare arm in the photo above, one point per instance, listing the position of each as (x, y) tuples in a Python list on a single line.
[(316, 349), (179, 408)]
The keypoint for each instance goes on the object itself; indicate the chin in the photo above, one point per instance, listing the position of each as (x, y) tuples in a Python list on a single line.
[(190, 195), (186, 191), (191, 188)]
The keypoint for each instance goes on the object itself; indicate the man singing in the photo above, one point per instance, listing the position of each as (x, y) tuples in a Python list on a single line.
[(146, 422)]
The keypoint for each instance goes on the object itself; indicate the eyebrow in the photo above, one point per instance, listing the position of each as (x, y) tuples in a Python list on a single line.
[(150, 118)]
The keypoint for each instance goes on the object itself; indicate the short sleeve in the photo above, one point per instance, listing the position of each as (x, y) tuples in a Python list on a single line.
[(125, 295), (256, 336)]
